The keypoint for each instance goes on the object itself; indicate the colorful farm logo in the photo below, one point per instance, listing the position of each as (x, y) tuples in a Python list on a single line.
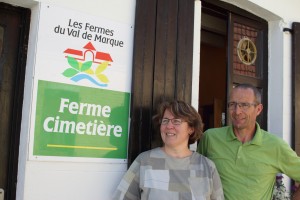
[(82, 69)]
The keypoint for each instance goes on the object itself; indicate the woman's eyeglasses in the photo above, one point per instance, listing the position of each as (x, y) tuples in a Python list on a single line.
[(174, 121)]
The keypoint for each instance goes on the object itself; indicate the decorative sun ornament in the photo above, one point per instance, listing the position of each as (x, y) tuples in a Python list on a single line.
[(246, 50)]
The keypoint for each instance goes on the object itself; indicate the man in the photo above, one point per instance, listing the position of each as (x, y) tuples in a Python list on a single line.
[(247, 157)]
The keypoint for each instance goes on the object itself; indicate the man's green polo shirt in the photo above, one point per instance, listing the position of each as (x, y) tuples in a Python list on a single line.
[(248, 170)]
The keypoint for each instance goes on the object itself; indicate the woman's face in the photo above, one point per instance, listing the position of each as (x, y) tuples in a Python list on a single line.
[(174, 135)]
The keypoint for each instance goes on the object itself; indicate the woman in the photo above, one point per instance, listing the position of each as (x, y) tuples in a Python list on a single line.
[(173, 171)]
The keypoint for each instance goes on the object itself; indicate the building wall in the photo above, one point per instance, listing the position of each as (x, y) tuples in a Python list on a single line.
[(89, 180)]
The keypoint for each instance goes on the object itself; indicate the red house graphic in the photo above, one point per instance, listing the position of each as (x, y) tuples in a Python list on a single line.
[(98, 56)]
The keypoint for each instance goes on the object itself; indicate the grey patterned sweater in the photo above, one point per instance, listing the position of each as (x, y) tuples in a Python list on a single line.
[(156, 176)]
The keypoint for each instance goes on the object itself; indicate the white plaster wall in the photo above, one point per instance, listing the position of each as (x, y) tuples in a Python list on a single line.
[(116, 10), (77, 180), (25, 123), (288, 10), (275, 113), (270, 9), (196, 60), (122, 11), (50, 180)]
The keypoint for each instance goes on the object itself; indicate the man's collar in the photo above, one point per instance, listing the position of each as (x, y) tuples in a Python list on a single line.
[(257, 139), (230, 135)]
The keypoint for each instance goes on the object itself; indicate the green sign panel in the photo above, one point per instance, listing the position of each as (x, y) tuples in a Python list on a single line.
[(78, 121)]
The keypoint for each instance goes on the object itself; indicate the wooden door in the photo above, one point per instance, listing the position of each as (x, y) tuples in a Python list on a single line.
[(162, 65), (13, 36), (247, 57), (296, 86)]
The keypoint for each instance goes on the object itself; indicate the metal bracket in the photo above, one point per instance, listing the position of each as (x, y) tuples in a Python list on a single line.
[(287, 30)]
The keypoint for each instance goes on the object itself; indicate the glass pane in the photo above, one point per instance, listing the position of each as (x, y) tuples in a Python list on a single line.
[(245, 51)]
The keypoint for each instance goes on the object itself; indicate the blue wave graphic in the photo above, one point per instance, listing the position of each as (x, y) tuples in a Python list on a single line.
[(80, 77)]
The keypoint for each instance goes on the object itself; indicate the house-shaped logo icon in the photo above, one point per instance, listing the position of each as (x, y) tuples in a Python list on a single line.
[(82, 69)]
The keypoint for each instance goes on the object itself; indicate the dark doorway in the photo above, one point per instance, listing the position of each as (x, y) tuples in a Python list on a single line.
[(233, 51), (14, 26), (213, 68)]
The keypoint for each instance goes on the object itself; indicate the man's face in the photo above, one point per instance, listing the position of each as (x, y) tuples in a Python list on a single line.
[(243, 108)]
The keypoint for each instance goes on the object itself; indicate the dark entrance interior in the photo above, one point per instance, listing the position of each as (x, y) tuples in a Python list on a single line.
[(213, 68)]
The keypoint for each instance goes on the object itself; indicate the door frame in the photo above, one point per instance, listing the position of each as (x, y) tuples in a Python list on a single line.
[(228, 10), (261, 63)]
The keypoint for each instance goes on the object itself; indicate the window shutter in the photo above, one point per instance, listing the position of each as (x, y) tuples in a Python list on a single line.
[(296, 84), (162, 65)]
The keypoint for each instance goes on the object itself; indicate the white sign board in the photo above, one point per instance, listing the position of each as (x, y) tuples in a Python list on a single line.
[(82, 84)]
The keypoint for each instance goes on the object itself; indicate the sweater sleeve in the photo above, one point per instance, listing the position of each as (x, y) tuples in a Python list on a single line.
[(129, 189), (217, 193)]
